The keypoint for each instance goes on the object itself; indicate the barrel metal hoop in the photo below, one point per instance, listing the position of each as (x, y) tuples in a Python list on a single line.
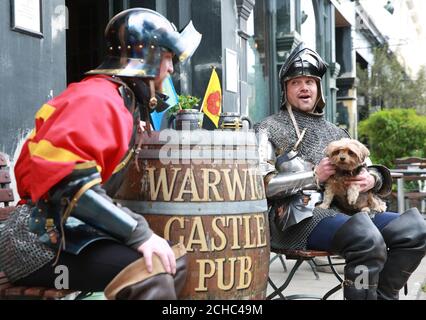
[(195, 208)]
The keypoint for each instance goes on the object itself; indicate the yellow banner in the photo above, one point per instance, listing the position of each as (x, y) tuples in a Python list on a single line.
[(212, 103)]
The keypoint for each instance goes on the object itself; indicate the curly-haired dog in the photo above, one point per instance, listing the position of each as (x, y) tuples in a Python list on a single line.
[(348, 155)]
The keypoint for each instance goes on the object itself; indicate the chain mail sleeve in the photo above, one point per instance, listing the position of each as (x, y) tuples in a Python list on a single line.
[(288, 179)]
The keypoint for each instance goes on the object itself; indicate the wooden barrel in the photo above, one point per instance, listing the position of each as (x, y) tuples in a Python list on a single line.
[(203, 189)]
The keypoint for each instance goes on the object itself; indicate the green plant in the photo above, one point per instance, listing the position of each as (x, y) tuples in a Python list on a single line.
[(185, 102), (394, 133)]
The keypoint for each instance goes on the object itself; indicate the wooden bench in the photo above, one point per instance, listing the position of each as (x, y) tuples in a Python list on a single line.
[(6, 193), (7, 290), (300, 256), (11, 292)]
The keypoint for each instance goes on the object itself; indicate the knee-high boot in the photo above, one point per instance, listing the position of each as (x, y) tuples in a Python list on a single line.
[(405, 237), (361, 244), (135, 283)]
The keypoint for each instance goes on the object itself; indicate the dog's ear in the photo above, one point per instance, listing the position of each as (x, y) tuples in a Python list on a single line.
[(331, 147), (363, 152)]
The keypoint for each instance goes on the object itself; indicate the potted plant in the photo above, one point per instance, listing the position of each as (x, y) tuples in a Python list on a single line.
[(186, 114), (185, 102)]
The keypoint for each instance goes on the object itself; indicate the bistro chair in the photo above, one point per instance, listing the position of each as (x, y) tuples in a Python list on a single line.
[(415, 184), (300, 256)]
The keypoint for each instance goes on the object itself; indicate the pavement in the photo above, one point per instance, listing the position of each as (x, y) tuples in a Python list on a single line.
[(305, 282)]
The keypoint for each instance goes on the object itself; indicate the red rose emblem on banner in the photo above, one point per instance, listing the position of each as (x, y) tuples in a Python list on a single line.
[(213, 103)]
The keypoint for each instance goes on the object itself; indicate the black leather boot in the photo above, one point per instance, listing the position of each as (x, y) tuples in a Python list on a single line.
[(135, 283), (405, 237), (181, 272), (361, 244)]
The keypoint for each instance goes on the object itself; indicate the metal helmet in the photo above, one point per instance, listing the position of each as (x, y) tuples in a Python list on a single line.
[(303, 61), (135, 40)]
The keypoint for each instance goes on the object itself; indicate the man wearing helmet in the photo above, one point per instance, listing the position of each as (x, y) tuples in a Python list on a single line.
[(292, 144), (83, 140)]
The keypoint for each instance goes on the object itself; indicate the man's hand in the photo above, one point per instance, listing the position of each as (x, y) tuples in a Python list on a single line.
[(324, 170), (160, 247), (365, 181)]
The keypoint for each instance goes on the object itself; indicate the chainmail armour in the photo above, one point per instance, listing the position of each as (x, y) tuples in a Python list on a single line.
[(281, 133), (319, 133), (21, 252)]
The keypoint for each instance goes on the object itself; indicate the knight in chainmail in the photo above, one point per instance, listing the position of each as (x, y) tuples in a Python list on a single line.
[(71, 164), (292, 158)]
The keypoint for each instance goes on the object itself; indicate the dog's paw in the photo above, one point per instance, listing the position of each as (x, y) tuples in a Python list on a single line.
[(365, 209), (377, 204), (352, 197), (352, 200), (381, 207)]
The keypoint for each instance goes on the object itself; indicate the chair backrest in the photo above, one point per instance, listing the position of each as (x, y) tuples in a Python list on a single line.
[(413, 163), (406, 162)]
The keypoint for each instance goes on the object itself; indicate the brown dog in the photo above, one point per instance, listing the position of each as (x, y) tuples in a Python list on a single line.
[(348, 155)]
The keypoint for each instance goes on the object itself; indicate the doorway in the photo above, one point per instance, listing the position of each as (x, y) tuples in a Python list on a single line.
[(87, 20)]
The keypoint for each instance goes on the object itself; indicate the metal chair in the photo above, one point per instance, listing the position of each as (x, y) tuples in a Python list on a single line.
[(300, 256)]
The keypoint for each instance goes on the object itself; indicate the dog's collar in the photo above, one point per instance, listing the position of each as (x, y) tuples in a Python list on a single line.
[(352, 173)]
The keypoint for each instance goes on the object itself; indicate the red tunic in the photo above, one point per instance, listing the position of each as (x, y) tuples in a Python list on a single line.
[(87, 122)]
